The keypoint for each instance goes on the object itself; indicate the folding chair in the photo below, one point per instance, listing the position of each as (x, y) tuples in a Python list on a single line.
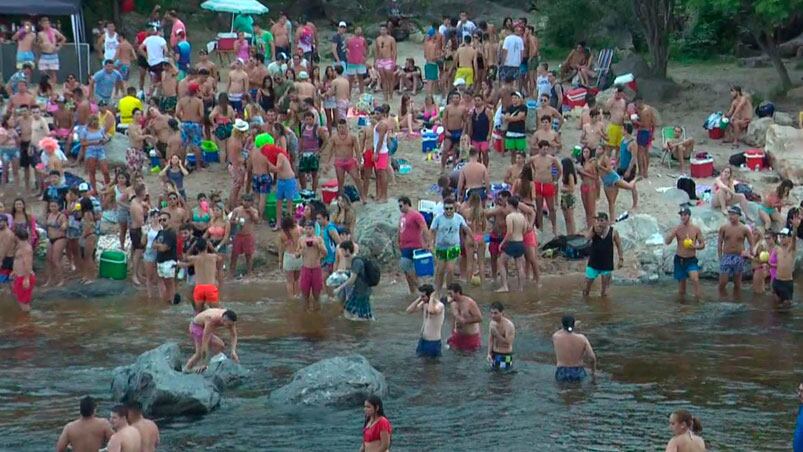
[(603, 66), (667, 134)]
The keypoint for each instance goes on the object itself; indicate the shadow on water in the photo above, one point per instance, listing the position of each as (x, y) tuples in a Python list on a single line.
[(731, 363)]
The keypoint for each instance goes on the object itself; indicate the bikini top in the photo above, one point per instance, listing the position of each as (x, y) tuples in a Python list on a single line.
[(216, 232)]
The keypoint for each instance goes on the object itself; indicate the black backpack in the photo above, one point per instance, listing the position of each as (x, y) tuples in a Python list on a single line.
[(687, 184), (371, 273)]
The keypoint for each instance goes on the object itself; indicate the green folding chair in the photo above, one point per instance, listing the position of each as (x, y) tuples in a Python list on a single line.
[(667, 134)]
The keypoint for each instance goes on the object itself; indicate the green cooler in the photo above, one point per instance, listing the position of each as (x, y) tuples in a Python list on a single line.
[(270, 207), (113, 265)]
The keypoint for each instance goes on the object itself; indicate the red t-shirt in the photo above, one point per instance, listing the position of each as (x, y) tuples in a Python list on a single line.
[(141, 37), (411, 225), (372, 433), (356, 50)]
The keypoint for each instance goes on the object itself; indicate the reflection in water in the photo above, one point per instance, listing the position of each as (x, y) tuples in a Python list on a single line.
[(729, 363)]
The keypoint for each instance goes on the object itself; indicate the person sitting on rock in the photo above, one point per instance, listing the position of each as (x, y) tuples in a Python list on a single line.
[(740, 113)]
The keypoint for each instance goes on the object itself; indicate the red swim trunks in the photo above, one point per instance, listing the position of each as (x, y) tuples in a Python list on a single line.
[(465, 342), (368, 158), (481, 146), (545, 189), (243, 244), (23, 295), (346, 164), (311, 281), (205, 293)]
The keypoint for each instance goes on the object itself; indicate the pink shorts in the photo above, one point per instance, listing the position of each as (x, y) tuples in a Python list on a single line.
[(386, 64), (311, 280), (346, 164), (481, 146), (382, 161), (530, 239), (197, 334)]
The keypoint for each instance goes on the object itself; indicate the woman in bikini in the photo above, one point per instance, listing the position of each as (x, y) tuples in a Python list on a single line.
[(475, 217), (407, 115), (121, 193), (523, 188), (429, 115), (57, 235), (291, 262), (725, 193), (589, 183), (770, 209), (21, 218), (612, 182), (201, 216), (89, 239), (329, 100), (218, 235), (222, 119), (567, 199)]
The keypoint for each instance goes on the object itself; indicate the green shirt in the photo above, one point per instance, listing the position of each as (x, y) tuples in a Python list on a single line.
[(264, 45), (244, 23)]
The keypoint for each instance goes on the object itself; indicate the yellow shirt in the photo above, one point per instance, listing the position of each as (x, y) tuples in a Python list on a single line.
[(112, 128), (126, 108)]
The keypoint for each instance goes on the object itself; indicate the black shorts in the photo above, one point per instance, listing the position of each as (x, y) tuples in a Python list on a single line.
[(783, 289), (8, 263), (27, 160), (142, 62), (156, 69), (136, 238), (622, 172)]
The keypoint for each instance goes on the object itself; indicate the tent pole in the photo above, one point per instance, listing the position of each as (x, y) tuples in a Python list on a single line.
[(232, 23), (77, 43)]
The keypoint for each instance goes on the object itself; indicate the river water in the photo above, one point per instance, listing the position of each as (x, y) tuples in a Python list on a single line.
[(736, 365)]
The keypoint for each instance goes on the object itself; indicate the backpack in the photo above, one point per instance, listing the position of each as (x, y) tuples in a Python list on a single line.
[(371, 273), (765, 110), (687, 184), (738, 159)]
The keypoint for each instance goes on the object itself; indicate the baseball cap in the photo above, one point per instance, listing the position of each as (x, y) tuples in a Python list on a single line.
[(684, 211), (459, 82), (342, 24), (83, 186), (518, 94), (193, 87), (568, 323), (282, 56), (303, 75), (735, 210), (786, 232)]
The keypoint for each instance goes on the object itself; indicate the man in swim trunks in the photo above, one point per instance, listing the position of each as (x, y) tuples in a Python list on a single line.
[(512, 244), (647, 120), (356, 56), (501, 334), (310, 139), (238, 84), (546, 132), (342, 91), (690, 239), (433, 55), (497, 217), (148, 430), (466, 336), (600, 262), (88, 433), (23, 278), (455, 121), (125, 437), (413, 235), (244, 218), (258, 171), (286, 186), (25, 37), (202, 331), (344, 149), (740, 113), (166, 245), (8, 246), (474, 178), (312, 250), (466, 60), (190, 111), (49, 41), (617, 107), (205, 294), (571, 350), (783, 286), (731, 251), (544, 168), (385, 61), (446, 229), (429, 344)]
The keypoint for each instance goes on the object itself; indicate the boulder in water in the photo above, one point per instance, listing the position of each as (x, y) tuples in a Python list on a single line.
[(784, 144), (639, 230), (376, 231), (156, 381), (341, 381), (99, 289), (225, 373)]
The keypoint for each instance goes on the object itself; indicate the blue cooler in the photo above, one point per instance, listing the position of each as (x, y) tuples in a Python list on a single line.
[(211, 157), (190, 162), (429, 141), (427, 209), (424, 263)]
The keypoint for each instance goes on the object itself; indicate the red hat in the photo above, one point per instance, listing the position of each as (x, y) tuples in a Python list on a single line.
[(271, 152), (193, 87)]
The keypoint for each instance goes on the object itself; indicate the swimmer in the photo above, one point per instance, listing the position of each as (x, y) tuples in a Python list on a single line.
[(125, 438), (22, 271), (148, 430), (783, 286), (429, 344), (731, 251), (570, 351), (690, 239), (202, 329), (466, 336), (686, 429), (501, 334), (87, 433)]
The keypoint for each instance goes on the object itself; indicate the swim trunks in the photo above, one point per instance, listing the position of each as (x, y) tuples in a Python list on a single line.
[(514, 249), (168, 103), (447, 254), (308, 163), (406, 262), (191, 134), (508, 72), (236, 101), (481, 146), (342, 108), (197, 334), (9, 154), (223, 131), (428, 349), (49, 62), (783, 289), (261, 183), (518, 144), (455, 135), (501, 361), (567, 200), (530, 239), (465, 342), (24, 56), (382, 161), (570, 374), (615, 134), (466, 73), (356, 69), (136, 238), (21, 294), (310, 281), (592, 273), (493, 244), (346, 165), (684, 266), (431, 72), (545, 189), (385, 64), (644, 137), (286, 189), (205, 293), (478, 190), (731, 264), (243, 244)]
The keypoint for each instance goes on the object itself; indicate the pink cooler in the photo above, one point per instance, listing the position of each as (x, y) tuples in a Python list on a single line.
[(329, 191)]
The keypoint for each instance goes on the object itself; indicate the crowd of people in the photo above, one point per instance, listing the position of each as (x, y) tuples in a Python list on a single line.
[(275, 116)]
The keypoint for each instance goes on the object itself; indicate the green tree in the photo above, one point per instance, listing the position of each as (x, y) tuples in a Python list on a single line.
[(657, 20), (763, 19)]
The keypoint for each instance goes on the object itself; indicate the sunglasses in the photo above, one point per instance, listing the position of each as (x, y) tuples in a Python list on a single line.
[(162, 220), (448, 208)]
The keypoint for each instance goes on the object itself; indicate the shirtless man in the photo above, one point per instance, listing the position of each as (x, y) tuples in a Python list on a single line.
[(148, 430), (312, 250), (244, 218), (593, 133), (257, 71), (501, 334), (571, 349), (343, 147), (202, 332), (342, 91), (532, 52), (205, 294), (783, 287), (455, 121), (466, 336), (731, 251), (22, 98), (680, 147), (647, 121), (125, 438), (22, 274), (304, 88), (544, 167), (157, 126), (545, 109), (617, 107), (138, 209), (258, 173), (87, 433), (513, 171), (429, 344), (286, 186), (124, 55), (168, 88), (498, 216), (385, 61), (281, 37), (474, 178), (740, 113), (190, 111), (23, 123), (204, 63), (237, 86), (690, 239), (433, 57), (25, 37), (49, 40), (173, 143), (546, 133), (512, 245), (466, 60), (235, 164)]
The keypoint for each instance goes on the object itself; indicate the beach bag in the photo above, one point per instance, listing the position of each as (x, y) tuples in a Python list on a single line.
[(687, 184), (371, 273), (713, 120)]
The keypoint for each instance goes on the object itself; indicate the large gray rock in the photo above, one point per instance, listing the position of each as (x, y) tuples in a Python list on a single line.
[(783, 119), (101, 288), (376, 231), (754, 62), (757, 131), (785, 144), (156, 381), (341, 381), (639, 231), (792, 47)]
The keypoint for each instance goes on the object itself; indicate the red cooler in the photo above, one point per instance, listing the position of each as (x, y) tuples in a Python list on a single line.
[(754, 159), (329, 191), (716, 133), (702, 166), (575, 97)]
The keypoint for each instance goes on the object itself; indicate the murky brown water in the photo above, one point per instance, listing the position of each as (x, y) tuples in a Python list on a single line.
[(734, 364)]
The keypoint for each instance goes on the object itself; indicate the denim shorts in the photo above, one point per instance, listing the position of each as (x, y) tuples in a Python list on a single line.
[(9, 154), (97, 153)]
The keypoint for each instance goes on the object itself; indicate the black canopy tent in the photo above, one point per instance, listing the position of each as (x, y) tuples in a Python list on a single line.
[(70, 8)]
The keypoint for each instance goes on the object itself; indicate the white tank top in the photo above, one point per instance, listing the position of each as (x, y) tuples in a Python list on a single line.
[(383, 149), (110, 45)]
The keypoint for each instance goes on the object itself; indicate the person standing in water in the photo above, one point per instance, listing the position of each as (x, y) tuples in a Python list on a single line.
[(731, 251), (783, 286), (22, 271), (205, 293), (429, 344), (501, 334), (148, 430), (685, 429), (466, 336), (125, 438), (600, 262), (87, 433), (202, 331), (376, 431), (690, 239), (571, 349)]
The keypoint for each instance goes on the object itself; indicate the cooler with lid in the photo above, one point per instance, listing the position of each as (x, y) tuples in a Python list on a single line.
[(113, 265)]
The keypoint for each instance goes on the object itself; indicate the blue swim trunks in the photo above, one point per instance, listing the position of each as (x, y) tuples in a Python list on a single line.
[(593, 273), (731, 264), (406, 261), (501, 361), (570, 374), (25, 57), (455, 135), (261, 183), (684, 266), (428, 349), (191, 134), (286, 189)]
